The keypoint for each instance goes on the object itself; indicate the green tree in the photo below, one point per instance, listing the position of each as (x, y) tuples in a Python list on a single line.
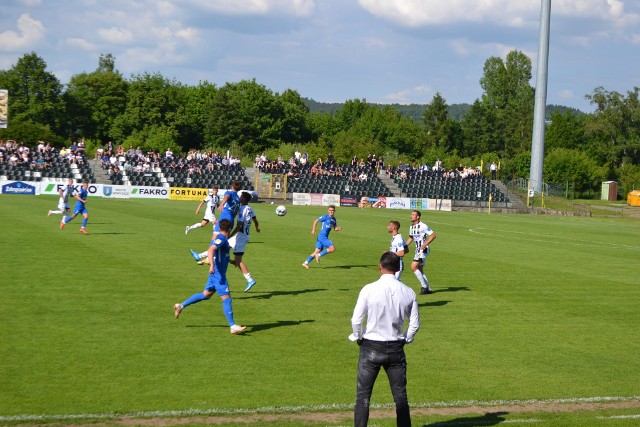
[(35, 94), (442, 131), (506, 118), (245, 117), (563, 165), (94, 101), (151, 110), (565, 131), (614, 127)]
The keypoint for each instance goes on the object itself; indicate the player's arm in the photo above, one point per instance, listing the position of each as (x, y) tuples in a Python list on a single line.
[(77, 196), (255, 221), (211, 253), (336, 228), (313, 228), (429, 240), (223, 202), (409, 241), (238, 229), (199, 206)]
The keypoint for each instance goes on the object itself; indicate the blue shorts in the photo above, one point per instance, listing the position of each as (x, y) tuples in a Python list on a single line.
[(217, 284), (80, 210), (323, 243)]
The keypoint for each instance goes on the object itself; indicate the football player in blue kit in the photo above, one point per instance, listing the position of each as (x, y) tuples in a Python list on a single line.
[(219, 256), (80, 208), (324, 246), (229, 206)]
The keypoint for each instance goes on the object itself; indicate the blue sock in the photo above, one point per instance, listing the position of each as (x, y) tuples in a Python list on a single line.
[(69, 218), (84, 222), (228, 311), (309, 259), (194, 299), (323, 253)]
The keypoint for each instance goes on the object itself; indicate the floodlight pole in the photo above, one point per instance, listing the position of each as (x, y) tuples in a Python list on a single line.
[(537, 143)]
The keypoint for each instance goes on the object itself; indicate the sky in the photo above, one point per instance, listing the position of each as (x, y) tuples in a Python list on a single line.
[(382, 51)]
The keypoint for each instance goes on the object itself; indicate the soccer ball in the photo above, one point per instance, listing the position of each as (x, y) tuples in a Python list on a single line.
[(281, 210)]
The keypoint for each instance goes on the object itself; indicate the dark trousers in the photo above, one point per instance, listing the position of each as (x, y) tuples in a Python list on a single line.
[(390, 356)]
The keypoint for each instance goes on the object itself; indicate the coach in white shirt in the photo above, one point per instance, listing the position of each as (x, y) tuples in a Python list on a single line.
[(386, 304)]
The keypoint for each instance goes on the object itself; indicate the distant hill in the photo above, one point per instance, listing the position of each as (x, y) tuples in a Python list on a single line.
[(415, 111)]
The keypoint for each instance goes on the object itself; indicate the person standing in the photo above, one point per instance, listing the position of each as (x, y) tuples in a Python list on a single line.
[(494, 170), (422, 236), (245, 216), (219, 256), (63, 202), (212, 200), (386, 304), (398, 245), (80, 208), (324, 246)]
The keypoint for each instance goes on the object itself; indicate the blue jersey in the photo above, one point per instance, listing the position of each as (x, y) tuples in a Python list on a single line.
[(328, 223), (221, 257), (80, 206), (231, 207)]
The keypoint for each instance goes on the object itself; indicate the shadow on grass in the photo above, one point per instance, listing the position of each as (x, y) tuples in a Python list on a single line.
[(433, 304), (488, 419), (277, 324), (452, 289), (269, 295), (348, 267)]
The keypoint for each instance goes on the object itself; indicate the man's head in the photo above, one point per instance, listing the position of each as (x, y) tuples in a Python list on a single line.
[(389, 263), (237, 185), (245, 198), (331, 210), (415, 216), (225, 225), (393, 227)]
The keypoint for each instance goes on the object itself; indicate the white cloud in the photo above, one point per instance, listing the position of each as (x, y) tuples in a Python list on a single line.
[(30, 32), (409, 96), (511, 13), (80, 44), (256, 7), (115, 35)]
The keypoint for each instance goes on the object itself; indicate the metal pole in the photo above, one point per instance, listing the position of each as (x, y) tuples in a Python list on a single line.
[(537, 143)]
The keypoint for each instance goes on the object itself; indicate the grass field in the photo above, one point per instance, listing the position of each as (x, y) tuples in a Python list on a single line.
[(538, 311)]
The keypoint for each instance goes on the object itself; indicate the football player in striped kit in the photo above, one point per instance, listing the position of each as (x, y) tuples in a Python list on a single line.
[(398, 245), (422, 236), (63, 203)]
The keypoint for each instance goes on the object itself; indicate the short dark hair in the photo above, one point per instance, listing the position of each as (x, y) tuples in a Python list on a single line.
[(225, 225), (418, 213), (245, 197), (237, 185), (396, 224), (390, 261)]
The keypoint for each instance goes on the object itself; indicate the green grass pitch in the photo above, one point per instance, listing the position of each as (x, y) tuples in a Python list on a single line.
[(525, 307)]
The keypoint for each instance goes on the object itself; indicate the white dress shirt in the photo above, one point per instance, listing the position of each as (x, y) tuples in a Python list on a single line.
[(386, 304)]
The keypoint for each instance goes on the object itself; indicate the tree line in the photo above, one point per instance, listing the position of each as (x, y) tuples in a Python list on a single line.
[(155, 113)]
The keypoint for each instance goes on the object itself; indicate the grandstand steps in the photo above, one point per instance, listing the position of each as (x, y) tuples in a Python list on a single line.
[(390, 183), (515, 201), (101, 175)]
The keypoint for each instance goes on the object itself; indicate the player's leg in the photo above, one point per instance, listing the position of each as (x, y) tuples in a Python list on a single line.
[(227, 308), (328, 248), (313, 255), (85, 218), (195, 298)]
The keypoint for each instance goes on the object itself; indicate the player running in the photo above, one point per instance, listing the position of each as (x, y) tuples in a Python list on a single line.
[(324, 246), (63, 202), (80, 208), (212, 200)]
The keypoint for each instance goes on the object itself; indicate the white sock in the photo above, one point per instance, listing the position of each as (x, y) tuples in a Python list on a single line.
[(203, 255), (194, 226), (421, 278), (56, 212), (248, 277), (64, 217), (426, 281)]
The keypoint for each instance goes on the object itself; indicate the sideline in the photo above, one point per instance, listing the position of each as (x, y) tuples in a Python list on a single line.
[(447, 408)]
